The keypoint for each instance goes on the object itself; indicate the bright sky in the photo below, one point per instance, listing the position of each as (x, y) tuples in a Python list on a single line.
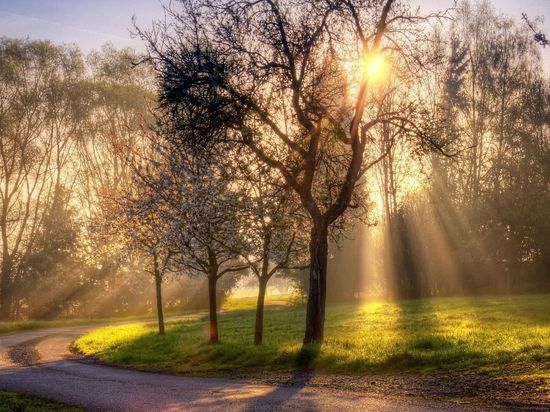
[(90, 23)]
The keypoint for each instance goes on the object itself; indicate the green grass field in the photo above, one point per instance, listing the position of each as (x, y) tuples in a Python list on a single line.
[(10, 402), (249, 303), (487, 334)]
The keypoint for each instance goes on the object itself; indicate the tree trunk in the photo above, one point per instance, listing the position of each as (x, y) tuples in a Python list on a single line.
[(5, 290), (160, 313), (213, 309), (259, 328), (315, 315)]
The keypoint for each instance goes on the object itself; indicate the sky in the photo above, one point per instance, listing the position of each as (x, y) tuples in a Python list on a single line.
[(91, 23), (87, 23)]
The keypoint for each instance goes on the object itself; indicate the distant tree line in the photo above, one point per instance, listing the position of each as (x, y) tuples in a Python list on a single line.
[(65, 119), (97, 201), (62, 116)]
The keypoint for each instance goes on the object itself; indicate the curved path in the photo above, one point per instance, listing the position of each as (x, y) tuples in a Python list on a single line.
[(39, 363)]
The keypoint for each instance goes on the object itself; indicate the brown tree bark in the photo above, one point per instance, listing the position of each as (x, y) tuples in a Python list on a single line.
[(315, 315), (160, 312), (259, 327), (212, 280), (5, 290)]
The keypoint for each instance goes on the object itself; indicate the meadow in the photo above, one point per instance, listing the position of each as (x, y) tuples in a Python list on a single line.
[(485, 334), (249, 302)]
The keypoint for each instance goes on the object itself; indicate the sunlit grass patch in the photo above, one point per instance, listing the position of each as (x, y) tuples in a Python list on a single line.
[(249, 302), (444, 334)]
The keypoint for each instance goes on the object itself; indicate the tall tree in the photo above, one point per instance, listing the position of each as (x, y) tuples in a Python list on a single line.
[(271, 75), (26, 149)]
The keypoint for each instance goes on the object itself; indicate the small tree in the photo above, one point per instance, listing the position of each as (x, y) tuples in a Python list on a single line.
[(201, 214), (272, 229), (145, 231)]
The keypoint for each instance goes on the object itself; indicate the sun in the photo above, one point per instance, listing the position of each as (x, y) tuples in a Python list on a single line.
[(374, 67)]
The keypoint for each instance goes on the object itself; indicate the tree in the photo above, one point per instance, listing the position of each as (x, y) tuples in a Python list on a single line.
[(538, 35), (483, 104), (271, 75), (51, 267), (200, 207), (272, 230), (117, 100), (64, 121), (146, 231), (30, 155)]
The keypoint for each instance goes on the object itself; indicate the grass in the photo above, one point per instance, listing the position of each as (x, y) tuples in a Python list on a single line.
[(10, 402), (231, 304), (8, 327), (444, 334), (249, 303)]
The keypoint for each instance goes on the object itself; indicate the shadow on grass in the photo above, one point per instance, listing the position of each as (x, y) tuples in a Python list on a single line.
[(403, 336), (306, 356)]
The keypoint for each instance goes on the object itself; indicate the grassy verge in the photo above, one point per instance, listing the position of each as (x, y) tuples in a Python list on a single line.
[(7, 327), (10, 401), (447, 334)]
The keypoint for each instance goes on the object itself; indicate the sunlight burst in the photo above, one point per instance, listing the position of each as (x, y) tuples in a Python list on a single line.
[(374, 67)]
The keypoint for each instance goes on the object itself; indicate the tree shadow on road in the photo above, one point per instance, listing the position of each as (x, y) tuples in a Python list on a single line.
[(288, 394)]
